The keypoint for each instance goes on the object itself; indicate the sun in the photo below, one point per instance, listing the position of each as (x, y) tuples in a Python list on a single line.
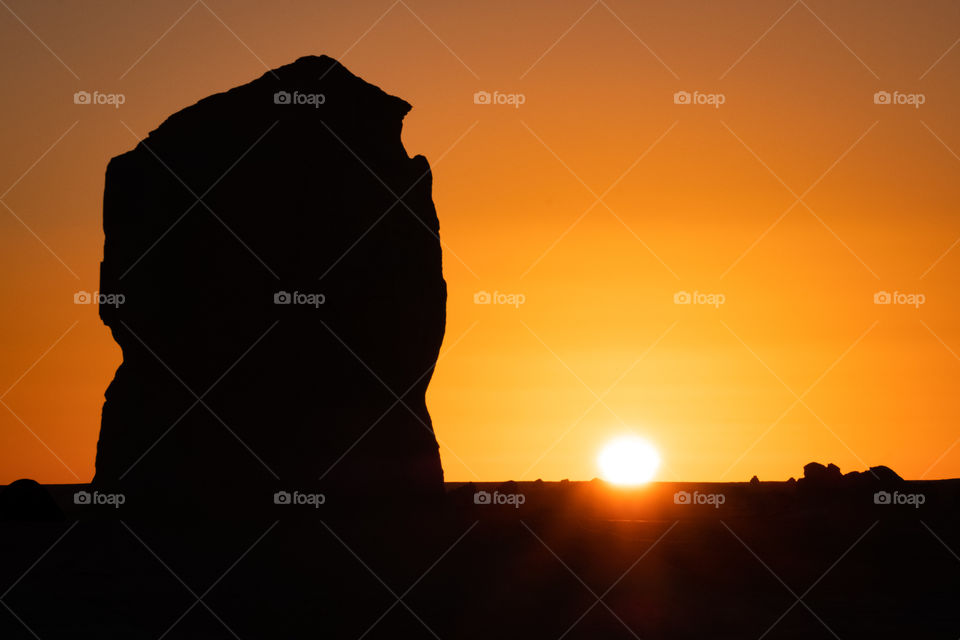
[(628, 460)]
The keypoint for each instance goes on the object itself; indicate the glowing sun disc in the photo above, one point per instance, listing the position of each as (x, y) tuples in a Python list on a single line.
[(628, 460)]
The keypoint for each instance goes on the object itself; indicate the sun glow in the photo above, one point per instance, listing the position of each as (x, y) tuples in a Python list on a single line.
[(628, 460)]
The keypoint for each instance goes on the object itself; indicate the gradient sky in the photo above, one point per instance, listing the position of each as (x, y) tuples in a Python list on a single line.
[(598, 199)]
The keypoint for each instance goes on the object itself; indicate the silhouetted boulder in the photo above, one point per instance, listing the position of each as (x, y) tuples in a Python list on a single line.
[(27, 500), (819, 476), (273, 298), (879, 475), (885, 474)]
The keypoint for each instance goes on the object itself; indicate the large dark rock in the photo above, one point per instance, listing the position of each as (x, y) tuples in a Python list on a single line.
[(223, 393), (29, 501), (819, 476), (879, 475), (884, 473)]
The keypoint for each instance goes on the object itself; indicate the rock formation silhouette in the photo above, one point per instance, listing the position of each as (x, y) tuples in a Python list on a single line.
[(27, 500), (275, 266), (815, 475)]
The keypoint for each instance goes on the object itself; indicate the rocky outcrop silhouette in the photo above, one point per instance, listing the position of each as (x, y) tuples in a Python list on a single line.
[(879, 475), (28, 501), (818, 476), (274, 263)]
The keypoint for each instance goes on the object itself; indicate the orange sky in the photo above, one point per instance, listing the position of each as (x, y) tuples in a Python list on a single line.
[(797, 199)]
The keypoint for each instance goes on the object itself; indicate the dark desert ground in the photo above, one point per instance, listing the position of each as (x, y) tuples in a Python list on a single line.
[(574, 560)]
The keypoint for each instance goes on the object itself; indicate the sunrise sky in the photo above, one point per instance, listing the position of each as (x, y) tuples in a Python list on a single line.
[(596, 201)]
